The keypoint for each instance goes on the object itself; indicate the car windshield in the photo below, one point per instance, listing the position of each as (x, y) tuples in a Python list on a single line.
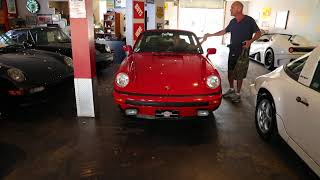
[(6, 41), (49, 35), (168, 41)]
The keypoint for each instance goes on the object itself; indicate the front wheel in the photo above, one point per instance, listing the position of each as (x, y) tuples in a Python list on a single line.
[(269, 60), (265, 118)]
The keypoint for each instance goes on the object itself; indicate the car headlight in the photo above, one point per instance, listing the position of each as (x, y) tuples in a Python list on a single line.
[(68, 61), (16, 74), (122, 80), (213, 82), (107, 48)]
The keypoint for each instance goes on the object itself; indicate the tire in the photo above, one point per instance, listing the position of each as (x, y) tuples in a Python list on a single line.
[(265, 118), (269, 60)]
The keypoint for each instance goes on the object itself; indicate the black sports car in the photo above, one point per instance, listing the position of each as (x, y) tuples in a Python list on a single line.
[(28, 74), (55, 40)]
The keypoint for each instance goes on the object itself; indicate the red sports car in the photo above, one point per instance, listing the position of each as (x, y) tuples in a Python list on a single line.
[(166, 76)]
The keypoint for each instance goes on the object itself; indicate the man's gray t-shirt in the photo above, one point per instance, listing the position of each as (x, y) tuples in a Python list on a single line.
[(241, 31)]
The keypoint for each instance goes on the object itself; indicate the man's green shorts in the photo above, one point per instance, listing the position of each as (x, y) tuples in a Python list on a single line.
[(238, 63)]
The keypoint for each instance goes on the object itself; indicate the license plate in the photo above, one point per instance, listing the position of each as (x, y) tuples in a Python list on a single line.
[(167, 114)]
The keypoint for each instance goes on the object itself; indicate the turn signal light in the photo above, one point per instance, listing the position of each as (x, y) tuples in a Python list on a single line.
[(291, 50), (18, 92)]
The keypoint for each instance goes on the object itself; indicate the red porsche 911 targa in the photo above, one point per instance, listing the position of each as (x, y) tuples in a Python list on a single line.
[(167, 76)]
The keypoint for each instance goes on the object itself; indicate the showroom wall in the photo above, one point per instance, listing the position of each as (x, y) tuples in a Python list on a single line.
[(303, 16)]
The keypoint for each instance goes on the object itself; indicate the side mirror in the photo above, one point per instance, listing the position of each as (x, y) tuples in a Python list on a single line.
[(211, 51), (128, 49)]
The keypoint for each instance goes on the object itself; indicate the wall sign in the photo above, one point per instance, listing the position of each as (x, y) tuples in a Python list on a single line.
[(33, 6), (138, 10), (11, 4), (138, 28), (77, 8)]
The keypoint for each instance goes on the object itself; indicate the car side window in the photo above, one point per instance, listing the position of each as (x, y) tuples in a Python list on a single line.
[(294, 68), (315, 84), (19, 36)]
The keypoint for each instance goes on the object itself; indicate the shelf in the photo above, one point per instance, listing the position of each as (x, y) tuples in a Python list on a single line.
[(112, 24)]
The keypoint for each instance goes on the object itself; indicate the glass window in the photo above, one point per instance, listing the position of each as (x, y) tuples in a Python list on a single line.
[(315, 84), (294, 68), (168, 41), (19, 36), (46, 35)]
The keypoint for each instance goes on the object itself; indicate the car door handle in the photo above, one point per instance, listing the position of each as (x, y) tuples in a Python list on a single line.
[(299, 99)]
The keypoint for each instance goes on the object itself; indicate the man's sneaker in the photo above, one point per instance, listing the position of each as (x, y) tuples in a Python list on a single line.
[(229, 93), (236, 98)]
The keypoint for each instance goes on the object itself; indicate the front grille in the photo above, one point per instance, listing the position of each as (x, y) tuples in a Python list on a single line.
[(167, 104)]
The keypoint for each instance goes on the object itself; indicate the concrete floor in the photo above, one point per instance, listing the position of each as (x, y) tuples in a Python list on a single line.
[(49, 142)]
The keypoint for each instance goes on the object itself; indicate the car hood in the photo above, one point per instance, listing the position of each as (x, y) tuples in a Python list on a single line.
[(169, 73), (275, 74), (40, 67)]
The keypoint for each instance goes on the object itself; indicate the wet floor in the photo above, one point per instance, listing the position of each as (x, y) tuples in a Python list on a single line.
[(49, 142)]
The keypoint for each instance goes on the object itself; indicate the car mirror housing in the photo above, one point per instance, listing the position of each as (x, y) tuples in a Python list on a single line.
[(128, 49), (211, 51)]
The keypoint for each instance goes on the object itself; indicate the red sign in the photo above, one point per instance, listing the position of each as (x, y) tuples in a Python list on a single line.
[(138, 28), (138, 10)]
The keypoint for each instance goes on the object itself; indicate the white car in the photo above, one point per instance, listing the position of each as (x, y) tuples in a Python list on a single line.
[(274, 49), (288, 104)]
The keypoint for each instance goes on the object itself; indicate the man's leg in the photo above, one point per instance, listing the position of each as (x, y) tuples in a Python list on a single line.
[(231, 80), (239, 85), (231, 90)]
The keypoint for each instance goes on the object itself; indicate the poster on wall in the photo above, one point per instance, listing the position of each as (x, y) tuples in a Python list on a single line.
[(44, 19), (281, 19), (160, 12), (11, 4), (119, 3), (266, 13), (77, 8), (110, 4)]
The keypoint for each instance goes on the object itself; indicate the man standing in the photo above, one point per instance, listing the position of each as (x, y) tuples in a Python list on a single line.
[(242, 28)]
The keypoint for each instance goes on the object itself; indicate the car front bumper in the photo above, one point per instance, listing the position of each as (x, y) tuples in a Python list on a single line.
[(153, 107), (48, 93)]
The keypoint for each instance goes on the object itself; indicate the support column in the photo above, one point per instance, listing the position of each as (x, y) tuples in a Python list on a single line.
[(83, 54)]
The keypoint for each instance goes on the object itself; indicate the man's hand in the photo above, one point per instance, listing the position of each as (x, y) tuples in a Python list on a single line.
[(247, 44), (205, 37)]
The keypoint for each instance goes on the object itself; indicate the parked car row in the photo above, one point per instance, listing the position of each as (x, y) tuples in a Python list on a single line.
[(37, 61), (55, 40)]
